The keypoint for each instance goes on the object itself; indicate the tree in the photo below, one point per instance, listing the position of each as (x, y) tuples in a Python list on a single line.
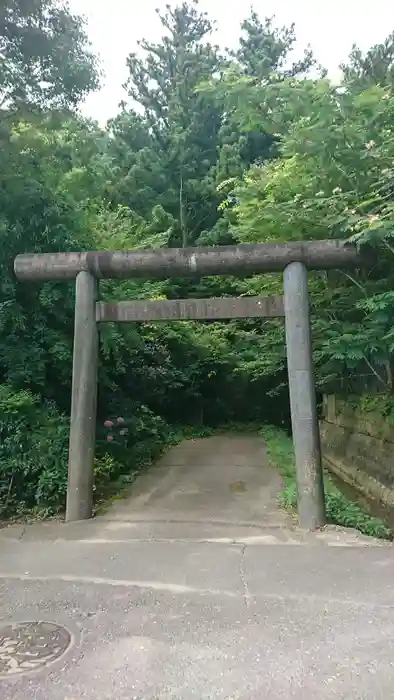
[(41, 211), (375, 67), (173, 166), (333, 178), (264, 51), (261, 59), (45, 56), (186, 141)]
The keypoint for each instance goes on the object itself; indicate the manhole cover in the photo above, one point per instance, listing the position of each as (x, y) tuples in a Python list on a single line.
[(26, 646)]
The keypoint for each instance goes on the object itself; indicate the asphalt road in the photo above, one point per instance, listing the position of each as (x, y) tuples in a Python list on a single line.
[(197, 586)]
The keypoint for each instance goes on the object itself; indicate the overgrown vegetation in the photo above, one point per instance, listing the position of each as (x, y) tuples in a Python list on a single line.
[(340, 511), (215, 147)]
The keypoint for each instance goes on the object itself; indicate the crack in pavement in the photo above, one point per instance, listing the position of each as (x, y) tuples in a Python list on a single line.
[(246, 593)]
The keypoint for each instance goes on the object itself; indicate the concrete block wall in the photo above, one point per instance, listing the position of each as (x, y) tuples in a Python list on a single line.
[(358, 447)]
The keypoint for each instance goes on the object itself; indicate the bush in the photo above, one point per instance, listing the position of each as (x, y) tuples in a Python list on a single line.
[(33, 453), (133, 435)]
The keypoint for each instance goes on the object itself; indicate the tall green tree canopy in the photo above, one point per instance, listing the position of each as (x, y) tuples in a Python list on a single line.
[(182, 141), (177, 133), (45, 57)]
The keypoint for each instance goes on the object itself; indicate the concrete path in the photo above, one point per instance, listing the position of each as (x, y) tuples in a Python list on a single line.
[(222, 479), (196, 587)]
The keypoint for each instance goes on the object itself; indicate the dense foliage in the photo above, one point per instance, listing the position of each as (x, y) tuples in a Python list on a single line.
[(218, 146)]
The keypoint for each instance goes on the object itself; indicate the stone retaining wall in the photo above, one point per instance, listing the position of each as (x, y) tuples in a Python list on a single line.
[(358, 447)]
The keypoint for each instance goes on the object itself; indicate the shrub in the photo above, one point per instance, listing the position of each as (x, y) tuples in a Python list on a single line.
[(33, 453), (135, 436)]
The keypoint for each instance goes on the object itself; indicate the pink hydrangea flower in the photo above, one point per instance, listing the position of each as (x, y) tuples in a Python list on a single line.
[(108, 424), (110, 438)]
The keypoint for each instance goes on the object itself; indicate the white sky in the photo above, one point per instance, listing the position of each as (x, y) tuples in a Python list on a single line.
[(114, 27)]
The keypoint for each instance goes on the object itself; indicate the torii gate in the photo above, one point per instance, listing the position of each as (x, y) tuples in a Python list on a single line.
[(294, 259)]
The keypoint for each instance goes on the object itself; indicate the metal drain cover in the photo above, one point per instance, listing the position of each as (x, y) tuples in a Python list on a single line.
[(27, 646)]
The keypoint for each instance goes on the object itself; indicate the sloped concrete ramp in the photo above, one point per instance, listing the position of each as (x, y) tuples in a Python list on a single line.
[(221, 479)]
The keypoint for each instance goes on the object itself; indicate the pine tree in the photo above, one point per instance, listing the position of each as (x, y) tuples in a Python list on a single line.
[(173, 162), (375, 67), (261, 58)]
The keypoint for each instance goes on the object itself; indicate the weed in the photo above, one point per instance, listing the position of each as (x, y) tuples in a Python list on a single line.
[(340, 511)]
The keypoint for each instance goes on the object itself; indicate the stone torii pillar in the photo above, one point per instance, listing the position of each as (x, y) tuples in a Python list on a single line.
[(304, 420)]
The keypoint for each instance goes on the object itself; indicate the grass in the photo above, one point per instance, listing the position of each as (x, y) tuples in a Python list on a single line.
[(340, 511)]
